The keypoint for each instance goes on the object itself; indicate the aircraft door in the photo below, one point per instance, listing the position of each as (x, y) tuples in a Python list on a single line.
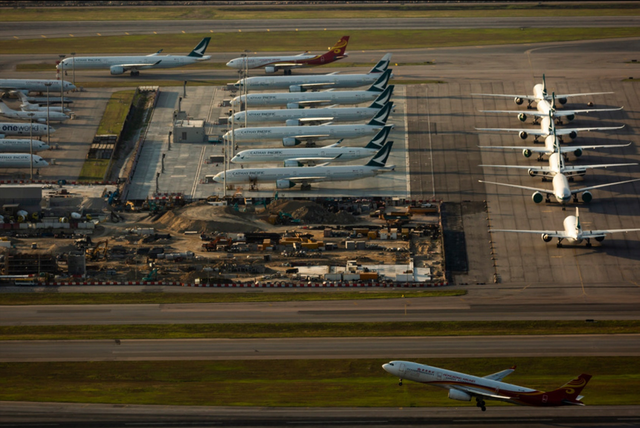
[(402, 369)]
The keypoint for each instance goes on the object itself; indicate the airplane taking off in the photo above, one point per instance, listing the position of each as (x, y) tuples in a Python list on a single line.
[(23, 129), (21, 146), (21, 161), (294, 135), (34, 85), (549, 109), (301, 116), (540, 93), (37, 116), (274, 63), (312, 156), (572, 232), (315, 99), (287, 177), (464, 386), (314, 82), (121, 64)]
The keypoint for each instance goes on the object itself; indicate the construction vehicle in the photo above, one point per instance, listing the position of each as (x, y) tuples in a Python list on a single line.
[(98, 252), (219, 241), (151, 276)]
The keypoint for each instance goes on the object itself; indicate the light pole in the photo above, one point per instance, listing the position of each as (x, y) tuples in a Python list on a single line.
[(31, 114), (246, 90), (62, 79), (73, 65), (48, 84)]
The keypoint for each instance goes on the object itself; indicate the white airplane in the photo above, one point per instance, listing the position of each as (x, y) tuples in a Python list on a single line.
[(21, 160), (314, 82), (549, 109), (274, 63), (572, 232), (37, 116), (314, 116), (27, 106), (540, 93), (287, 177), (312, 156), (465, 387), (314, 99), (547, 127), (23, 129), (121, 64), (22, 146), (294, 135), (34, 85)]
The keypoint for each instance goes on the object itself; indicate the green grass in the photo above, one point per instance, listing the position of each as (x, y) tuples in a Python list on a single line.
[(214, 297), (116, 113), (93, 170), (312, 12), (316, 41), (368, 329), (298, 383)]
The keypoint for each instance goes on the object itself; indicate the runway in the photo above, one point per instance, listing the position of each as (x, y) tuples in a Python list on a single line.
[(320, 348), (53, 29)]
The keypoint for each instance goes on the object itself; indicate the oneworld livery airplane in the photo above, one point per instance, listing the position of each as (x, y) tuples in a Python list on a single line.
[(465, 387), (121, 64)]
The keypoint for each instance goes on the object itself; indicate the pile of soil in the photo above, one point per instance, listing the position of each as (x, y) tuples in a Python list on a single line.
[(208, 219), (310, 212)]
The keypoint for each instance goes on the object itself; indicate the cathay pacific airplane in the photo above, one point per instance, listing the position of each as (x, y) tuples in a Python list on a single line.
[(287, 177), (315, 155), (23, 129), (21, 160), (465, 387), (34, 85), (572, 232), (540, 93), (37, 116), (22, 146), (314, 99), (121, 64)]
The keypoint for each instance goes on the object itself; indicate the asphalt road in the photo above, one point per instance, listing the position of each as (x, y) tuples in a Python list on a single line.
[(30, 30)]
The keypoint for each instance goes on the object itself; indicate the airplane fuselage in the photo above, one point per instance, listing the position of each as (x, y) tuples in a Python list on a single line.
[(294, 100), (21, 146), (262, 61), (294, 83), (347, 114), (21, 161), (280, 155), (23, 129), (34, 85), (319, 132), (39, 115), (102, 62)]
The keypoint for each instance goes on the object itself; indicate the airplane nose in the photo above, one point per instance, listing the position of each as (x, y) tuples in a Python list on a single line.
[(388, 367), (230, 63)]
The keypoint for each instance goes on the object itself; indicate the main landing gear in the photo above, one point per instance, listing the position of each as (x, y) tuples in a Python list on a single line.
[(399, 382), (135, 73), (287, 72), (480, 403)]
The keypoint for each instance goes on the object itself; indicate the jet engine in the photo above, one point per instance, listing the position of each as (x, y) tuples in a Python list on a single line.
[(561, 100), (270, 69), (293, 122), (116, 69), (518, 100), (291, 162), (533, 172), (599, 238), (523, 135), (42, 120), (296, 88), (570, 117), (293, 105), (546, 238), (290, 141), (522, 117), (527, 153), (573, 134), (577, 152), (454, 394), (587, 197), (537, 197), (284, 184)]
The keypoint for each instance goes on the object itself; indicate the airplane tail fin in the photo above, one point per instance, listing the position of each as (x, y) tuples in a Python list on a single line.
[(336, 52), (378, 141), (199, 50), (4, 108), (382, 65), (380, 158), (380, 84), (544, 86), (380, 119), (569, 393), (578, 219), (383, 98)]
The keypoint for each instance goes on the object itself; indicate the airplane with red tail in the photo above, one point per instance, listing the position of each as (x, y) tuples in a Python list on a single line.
[(272, 64), (464, 387)]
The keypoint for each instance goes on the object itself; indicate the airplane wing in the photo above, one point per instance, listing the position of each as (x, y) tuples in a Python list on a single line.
[(480, 393), (599, 233), (318, 86), (524, 97), (558, 113), (288, 64), (599, 186), (310, 137), (528, 131), (582, 95), (313, 103), (573, 168), (315, 159), (128, 67), (567, 131), (563, 149), (501, 375), (309, 179), (535, 189), (309, 120), (532, 168), (550, 233)]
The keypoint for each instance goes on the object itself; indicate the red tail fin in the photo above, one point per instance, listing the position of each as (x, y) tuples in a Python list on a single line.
[(341, 46), (569, 391)]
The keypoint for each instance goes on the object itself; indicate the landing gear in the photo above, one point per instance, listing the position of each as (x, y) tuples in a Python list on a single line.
[(306, 187), (480, 403), (135, 73), (588, 243), (399, 382), (287, 72), (559, 244)]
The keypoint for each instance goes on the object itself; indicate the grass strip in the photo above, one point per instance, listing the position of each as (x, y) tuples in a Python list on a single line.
[(290, 330), (298, 383), (93, 170), (312, 12), (116, 112), (292, 41), (55, 298)]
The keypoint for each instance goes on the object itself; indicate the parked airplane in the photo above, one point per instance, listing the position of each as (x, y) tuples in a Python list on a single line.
[(33, 85), (21, 161), (464, 386), (572, 232), (37, 116), (540, 93), (21, 146), (294, 135), (316, 155), (23, 129), (316, 81), (121, 64), (287, 177), (315, 99), (549, 109), (27, 106), (274, 63), (52, 100)]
